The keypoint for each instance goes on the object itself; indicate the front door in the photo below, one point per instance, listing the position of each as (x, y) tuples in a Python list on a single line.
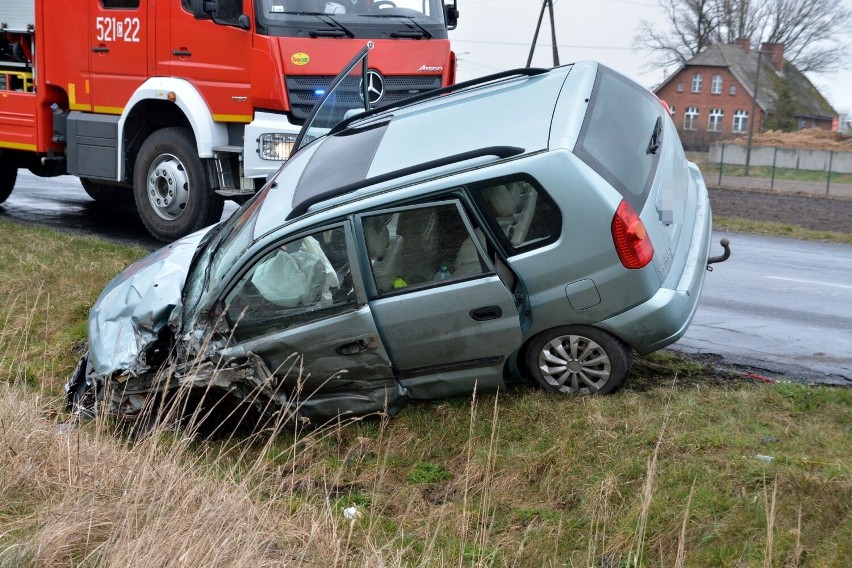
[(447, 320), (215, 57), (297, 308), (119, 38)]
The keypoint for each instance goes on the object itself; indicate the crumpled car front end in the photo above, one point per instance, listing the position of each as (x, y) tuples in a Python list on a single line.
[(132, 324)]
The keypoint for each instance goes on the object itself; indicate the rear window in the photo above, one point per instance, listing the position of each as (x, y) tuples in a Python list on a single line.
[(520, 213), (614, 140)]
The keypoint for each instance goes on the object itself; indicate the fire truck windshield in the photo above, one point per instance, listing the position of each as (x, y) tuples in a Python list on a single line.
[(363, 19)]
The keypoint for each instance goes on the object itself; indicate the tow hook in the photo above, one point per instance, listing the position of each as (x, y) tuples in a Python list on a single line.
[(724, 256)]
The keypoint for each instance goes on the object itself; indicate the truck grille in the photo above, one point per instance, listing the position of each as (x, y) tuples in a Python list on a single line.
[(302, 90)]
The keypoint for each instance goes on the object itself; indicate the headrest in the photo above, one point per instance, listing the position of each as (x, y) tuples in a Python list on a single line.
[(503, 200), (378, 238)]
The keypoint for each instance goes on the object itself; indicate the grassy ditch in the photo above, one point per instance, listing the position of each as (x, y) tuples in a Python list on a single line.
[(683, 467), (772, 229)]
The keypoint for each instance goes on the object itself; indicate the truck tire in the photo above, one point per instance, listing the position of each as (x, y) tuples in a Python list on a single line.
[(170, 187), (107, 194), (8, 176)]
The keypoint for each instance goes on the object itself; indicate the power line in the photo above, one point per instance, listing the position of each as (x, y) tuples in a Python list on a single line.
[(561, 45)]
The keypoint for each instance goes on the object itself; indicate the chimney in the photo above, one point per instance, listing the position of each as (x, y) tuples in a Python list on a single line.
[(775, 53), (744, 43)]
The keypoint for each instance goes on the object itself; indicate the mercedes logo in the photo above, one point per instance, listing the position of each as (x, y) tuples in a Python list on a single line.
[(375, 86)]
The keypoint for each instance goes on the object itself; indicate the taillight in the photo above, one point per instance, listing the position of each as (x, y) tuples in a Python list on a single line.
[(632, 242)]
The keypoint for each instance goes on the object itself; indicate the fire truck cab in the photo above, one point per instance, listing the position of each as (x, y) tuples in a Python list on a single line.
[(176, 105)]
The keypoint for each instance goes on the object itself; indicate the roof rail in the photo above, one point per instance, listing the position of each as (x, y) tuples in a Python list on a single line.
[(522, 72), (499, 151)]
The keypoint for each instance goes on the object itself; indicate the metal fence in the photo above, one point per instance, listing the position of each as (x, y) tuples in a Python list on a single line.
[(810, 171)]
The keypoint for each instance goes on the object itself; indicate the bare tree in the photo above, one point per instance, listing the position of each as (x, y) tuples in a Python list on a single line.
[(812, 31)]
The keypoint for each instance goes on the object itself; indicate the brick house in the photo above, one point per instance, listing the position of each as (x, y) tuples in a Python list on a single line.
[(711, 95)]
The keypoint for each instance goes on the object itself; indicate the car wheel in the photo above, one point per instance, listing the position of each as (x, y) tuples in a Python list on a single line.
[(578, 359), (106, 193), (170, 186), (8, 176)]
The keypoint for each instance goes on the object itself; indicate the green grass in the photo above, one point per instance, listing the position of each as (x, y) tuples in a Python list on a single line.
[(524, 478)]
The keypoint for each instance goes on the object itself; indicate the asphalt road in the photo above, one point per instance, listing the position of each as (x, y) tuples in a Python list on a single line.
[(777, 307), (781, 308), (61, 203)]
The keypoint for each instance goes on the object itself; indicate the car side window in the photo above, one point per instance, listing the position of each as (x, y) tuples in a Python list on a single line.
[(519, 212), (420, 247), (297, 281)]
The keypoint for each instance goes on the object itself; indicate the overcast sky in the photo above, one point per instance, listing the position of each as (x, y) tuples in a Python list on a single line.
[(494, 35)]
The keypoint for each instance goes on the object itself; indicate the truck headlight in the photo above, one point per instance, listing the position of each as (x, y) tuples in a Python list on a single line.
[(275, 145)]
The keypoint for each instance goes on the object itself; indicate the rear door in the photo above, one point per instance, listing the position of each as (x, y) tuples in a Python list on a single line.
[(446, 319), (119, 37)]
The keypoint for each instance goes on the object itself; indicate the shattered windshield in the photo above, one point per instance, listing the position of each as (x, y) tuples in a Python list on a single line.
[(223, 249), (415, 19)]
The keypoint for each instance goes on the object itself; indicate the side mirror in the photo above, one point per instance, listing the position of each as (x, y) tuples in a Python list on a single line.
[(205, 9), (244, 23), (451, 15)]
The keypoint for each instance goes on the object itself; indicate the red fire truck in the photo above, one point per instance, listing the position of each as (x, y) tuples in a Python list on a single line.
[(180, 104)]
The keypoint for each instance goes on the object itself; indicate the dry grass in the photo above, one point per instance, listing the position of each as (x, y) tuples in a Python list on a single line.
[(809, 139), (663, 473)]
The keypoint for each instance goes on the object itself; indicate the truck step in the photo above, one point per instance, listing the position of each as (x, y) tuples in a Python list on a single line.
[(228, 149), (235, 192)]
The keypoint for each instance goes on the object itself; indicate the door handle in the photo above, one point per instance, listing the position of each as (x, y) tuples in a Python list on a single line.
[(182, 53), (486, 313), (352, 348), (100, 49)]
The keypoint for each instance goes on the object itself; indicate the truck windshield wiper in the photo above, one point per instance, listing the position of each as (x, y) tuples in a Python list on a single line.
[(423, 32), (325, 18)]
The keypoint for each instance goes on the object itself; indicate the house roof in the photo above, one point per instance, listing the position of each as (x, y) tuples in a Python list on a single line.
[(743, 66)]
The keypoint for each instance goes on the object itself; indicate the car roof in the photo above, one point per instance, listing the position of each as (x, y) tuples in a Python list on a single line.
[(492, 118)]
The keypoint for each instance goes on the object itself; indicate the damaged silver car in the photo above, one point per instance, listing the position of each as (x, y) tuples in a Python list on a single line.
[(534, 224)]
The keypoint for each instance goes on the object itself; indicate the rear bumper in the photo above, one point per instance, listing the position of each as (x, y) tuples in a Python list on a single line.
[(665, 317)]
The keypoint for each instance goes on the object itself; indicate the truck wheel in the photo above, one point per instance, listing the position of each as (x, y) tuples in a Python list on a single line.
[(8, 175), (170, 187), (578, 359), (106, 193)]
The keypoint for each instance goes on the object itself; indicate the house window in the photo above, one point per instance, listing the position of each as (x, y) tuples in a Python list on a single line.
[(690, 118), (697, 79), (716, 85), (680, 87), (733, 90), (714, 122), (740, 121)]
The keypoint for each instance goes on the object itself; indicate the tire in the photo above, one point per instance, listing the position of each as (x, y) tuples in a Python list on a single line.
[(107, 194), (578, 359), (170, 187), (8, 176)]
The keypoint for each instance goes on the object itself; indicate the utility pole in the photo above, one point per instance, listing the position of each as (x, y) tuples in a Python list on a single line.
[(546, 4), (752, 119)]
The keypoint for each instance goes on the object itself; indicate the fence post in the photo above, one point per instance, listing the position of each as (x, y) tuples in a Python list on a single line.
[(721, 161), (828, 179), (774, 158)]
